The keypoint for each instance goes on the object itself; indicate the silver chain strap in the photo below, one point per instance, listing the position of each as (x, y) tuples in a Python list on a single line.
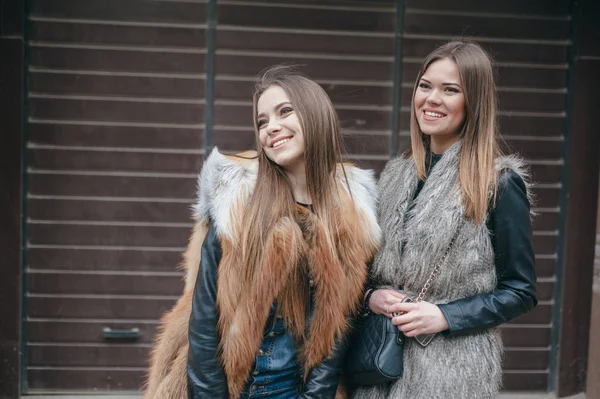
[(436, 269)]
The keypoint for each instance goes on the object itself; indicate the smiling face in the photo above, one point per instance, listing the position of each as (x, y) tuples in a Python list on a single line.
[(279, 129), (439, 103)]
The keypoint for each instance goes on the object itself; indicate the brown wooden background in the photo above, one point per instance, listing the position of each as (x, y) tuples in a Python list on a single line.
[(116, 138)]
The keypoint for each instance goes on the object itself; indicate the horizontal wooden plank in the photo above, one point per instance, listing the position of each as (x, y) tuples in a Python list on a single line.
[(483, 25), (304, 42), (525, 382), (112, 186), (545, 267), (86, 380), (520, 51), (142, 236), (86, 33), (104, 259), (110, 355), (541, 314), (117, 10), (267, 16), (116, 284), (101, 135), (550, 173), (123, 60), (515, 7), (547, 197), (526, 337), (59, 331), (115, 85), (546, 221), (526, 359), (250, 65), (115, 110), (543, 244), (535, 148), (98, 308), (99, 210), (63, 159)]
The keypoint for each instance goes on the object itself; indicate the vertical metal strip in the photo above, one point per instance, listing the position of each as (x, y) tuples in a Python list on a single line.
[(209, 90), (560, 250), (24, 193), (397, 90)]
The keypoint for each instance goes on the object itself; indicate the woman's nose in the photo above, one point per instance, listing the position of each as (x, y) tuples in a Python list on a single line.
[(273, 126), (434, 97)]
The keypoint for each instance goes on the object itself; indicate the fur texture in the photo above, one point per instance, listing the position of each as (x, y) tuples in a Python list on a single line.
[(294, 249), (450, 367)]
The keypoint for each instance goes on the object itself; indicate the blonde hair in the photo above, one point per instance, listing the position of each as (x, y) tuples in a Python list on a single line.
[(477, 174), (272, 198)]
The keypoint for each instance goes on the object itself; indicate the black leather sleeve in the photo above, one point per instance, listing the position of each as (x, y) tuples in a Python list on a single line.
[(515, 294), (206, 378), (323, 380)]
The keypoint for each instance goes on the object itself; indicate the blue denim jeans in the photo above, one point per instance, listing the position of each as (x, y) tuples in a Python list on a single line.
[(275, 373)]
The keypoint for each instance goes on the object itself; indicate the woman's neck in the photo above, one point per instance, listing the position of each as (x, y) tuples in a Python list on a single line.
[(439, 144), (297, 178)]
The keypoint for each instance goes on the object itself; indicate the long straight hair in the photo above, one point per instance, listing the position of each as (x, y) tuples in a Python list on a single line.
[(477, 174), (272, 198)]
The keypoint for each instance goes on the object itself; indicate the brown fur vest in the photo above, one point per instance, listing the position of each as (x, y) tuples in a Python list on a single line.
[(225, 185)]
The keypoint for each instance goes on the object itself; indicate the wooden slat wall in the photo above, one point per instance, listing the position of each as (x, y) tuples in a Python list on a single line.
[(529, 42), (116, 128), (115, 142)]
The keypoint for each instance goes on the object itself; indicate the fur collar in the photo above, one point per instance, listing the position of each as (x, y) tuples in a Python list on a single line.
[(294, 249)]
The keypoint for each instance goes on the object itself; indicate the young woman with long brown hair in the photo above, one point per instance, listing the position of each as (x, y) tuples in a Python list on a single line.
[(277, 262), (455, 218)]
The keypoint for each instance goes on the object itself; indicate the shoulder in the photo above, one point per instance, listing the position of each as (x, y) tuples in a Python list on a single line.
[(514, 185), (362, 185), (224, 182), (396, 167)]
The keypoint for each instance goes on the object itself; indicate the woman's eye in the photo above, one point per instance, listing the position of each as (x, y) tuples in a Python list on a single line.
[(261, 123), (452, 89), (423, 85), (286, 110)]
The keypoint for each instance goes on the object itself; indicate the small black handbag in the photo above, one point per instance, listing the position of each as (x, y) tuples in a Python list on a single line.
[(376, 353)]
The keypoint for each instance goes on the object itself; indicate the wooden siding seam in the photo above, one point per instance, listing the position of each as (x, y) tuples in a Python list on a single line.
[(111, 173), (489, 39), (120, 124), (145, 49), (127, 99), (106, 22), (107, 247), (305, 6), (482, 14), (102, 296), (304, 31), (180, 151), (42, 70), (111, 199)]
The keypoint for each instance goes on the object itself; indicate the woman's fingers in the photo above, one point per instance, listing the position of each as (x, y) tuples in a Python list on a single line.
[(399, 307)]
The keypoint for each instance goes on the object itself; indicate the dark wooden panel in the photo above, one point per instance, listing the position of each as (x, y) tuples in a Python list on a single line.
[(545, 173), (117, 60), (241, 115), (114, 85), (517, 7), (378, 70), (116, 284), (233, 140), (509, 76), (536, 148), (134, 211), (88, 355), (525, 381), (545, 291), (112, 186), (528, 337), (302, 42), (85, 33), (58, 159), (84, 332), (367, 20), (526, 359), (489, 25), (148, 236), (116, 111), (104, 259), (544, 244), (501, 52), (86, 380), (116, 136), (339, 92), (541, 314), (98, 308), (117, 10), (547, 197), (546, 221), (545, 267)]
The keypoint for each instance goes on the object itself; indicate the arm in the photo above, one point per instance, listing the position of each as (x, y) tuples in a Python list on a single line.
[(515, 293), (322, 380), (206, 377)]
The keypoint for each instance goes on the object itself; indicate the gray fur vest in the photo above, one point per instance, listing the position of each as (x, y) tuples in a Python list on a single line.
[(468, 366)]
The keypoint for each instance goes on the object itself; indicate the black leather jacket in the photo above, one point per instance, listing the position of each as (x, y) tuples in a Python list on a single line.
[(515, 293), (206, 378)]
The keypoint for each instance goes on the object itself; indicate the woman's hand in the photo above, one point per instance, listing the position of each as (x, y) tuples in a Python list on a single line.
[(418, 318), (381, 301)]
